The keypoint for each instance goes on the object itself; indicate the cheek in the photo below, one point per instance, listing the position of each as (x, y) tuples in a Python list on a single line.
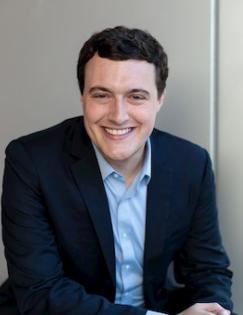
[(92, 113), (146, 117)]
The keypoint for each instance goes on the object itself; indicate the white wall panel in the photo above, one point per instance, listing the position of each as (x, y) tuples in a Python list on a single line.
[(230, 137)]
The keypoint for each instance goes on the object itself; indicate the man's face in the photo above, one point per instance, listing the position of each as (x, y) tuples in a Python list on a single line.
[(120, 103)]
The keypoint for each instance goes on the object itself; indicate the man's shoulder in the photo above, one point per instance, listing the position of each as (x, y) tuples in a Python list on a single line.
[(53, 132), (173, 142), (46, 142), (50, 137), (176, 151)]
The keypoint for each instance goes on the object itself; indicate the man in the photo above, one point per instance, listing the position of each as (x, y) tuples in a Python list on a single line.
[(96, 208)]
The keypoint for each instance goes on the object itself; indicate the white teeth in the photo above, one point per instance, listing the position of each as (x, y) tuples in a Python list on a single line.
[(117, 132)]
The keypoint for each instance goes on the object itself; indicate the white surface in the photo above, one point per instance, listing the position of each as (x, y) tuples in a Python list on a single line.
[(230, 140)]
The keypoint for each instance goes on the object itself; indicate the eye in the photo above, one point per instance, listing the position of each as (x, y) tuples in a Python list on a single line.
[(99, 95), (137, 98)]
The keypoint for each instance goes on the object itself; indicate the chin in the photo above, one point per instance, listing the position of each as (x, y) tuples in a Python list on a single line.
[(118, 156)]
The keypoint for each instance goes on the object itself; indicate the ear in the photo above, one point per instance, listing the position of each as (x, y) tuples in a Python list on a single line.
[(161, 100)]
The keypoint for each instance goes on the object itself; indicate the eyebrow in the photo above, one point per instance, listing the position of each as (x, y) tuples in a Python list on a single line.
[(139, 91), (101, 88)]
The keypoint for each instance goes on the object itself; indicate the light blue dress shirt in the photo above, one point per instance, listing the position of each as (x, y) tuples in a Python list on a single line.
[(128, 214)]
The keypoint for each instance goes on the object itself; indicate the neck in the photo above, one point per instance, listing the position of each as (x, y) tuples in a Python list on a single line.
[(130, 167)]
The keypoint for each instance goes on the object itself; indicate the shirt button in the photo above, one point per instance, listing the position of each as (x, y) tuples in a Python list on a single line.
[(124, 235), (127, 267), (126, 293)]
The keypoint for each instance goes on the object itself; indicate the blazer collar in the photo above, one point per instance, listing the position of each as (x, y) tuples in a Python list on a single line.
[(87, 175), (158, 205)]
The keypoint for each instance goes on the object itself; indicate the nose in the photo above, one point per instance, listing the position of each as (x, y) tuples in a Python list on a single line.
[(118, 113)]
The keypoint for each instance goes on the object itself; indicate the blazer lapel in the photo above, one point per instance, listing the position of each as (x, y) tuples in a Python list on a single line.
[(158, 207), (88, 178)]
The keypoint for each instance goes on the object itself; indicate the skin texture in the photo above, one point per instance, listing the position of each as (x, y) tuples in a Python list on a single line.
[(205, 309), (120, 97)]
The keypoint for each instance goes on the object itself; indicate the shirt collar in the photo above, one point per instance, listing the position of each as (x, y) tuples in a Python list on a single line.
[(106, 169)]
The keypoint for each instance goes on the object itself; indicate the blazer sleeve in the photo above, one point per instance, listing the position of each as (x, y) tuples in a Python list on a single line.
[(35, 268), (202, 264)]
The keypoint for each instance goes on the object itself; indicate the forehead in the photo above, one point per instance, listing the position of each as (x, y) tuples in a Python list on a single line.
[(126, 73)]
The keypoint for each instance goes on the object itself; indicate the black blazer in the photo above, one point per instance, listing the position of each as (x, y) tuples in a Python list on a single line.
[(58, 235)]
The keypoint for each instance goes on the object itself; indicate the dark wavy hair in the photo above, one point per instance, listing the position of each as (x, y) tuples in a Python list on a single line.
[(122, 43)]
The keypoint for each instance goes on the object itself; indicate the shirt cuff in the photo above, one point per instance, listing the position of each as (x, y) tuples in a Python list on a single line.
[(154, 313)]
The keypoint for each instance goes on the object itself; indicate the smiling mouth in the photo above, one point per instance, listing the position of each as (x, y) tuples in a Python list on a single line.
[(118, 132)]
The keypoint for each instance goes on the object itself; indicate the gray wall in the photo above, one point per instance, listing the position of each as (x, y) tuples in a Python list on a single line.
[(39, 44)]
